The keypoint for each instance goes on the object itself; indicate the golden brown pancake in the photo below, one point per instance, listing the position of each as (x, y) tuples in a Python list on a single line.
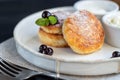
[(55, 40), (52, 29), (83, 32)]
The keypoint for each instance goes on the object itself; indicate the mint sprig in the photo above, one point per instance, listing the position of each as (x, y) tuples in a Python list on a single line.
[(52, 19)]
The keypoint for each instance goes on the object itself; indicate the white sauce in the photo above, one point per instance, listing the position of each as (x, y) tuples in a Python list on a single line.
[(115, 20)]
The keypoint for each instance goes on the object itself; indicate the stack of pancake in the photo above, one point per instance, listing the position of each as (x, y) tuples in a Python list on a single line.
[(52, 35), (81, 31)]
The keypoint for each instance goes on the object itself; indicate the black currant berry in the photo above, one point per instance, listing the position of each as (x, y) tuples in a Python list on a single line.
[(46, 14), (41, 51), (45, 50), (115, 54), (42, 47), (50, 51)]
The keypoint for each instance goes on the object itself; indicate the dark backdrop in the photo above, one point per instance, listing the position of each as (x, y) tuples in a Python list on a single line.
[(12, 11)]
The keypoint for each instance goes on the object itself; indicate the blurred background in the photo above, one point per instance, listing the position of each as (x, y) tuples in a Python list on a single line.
[(12, 11)]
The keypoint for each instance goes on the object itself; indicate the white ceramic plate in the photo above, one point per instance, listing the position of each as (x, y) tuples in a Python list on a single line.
[(63, 59)]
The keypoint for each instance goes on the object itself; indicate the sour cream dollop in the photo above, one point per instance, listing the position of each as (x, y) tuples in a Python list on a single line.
[(115, 20)]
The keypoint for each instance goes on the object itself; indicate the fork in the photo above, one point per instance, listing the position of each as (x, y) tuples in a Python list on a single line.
[(21, 73)]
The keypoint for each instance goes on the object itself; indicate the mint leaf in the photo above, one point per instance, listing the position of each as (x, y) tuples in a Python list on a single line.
[(53, 19), (42, 22)]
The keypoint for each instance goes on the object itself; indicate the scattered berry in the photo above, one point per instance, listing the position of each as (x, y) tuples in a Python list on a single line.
[(41, 51), (45, 50), (46, 14), (43, 47), (115, 54), (50, 51)]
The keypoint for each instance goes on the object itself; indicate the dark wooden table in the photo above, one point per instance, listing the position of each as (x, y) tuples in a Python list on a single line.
[(12, 11)]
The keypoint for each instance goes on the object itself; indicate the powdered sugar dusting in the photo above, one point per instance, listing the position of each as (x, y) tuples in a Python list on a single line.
[(61, 16), (81, 17)]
